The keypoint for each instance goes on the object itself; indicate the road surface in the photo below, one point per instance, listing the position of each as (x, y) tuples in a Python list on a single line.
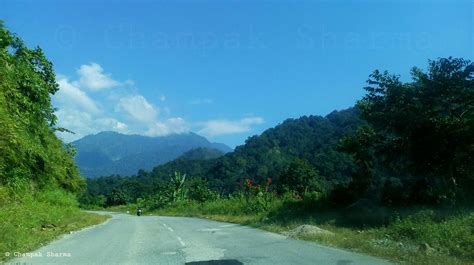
[(128, 239)]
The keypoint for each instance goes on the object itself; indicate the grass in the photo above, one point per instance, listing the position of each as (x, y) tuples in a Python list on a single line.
[(29, 221), (416, 235)]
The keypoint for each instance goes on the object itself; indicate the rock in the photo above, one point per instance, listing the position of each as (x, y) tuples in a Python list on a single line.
[(45, 227), (307, 230)]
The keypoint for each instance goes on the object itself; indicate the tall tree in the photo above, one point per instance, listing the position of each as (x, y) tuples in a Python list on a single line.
[(426, 125)]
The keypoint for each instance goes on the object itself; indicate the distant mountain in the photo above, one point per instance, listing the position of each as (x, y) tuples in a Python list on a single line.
[(112, 153)]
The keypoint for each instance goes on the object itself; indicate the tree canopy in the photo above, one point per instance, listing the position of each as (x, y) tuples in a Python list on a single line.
[(421, 131)]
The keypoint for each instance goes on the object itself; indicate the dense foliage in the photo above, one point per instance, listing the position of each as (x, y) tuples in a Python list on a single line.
[(31, 155), (419, 139)]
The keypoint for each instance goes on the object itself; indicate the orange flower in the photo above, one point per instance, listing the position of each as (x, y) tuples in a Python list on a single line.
[(269, 180)]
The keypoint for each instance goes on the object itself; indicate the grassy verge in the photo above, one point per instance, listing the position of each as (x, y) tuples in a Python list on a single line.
[(30, 221), (415, 236)]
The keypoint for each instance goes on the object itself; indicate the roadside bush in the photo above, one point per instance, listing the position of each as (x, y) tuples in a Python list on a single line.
[(453, 235), (157, 201), (341, 196), (57, 198), (117, 197), (312, 200), (198, 190), (4, 196), (300, 176), (393, 193), (258, 197), (87, 201), (177, 188)]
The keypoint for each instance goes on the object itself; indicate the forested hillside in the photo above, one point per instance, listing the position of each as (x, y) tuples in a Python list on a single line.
[(38, 176), (313, 138)]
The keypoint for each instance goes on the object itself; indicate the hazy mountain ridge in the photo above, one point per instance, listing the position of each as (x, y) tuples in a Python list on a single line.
[(112, 153)]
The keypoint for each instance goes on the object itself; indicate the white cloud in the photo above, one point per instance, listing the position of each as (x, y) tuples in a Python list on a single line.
[(252, 120), (92, 77), (71, 96), (143, 112), (138, 108), (220, 127), (121, 126), (111, 124), (199, 101), (129, 82), (177, 124), (83, 123), (169, 126), (123, 110), (78, 112)]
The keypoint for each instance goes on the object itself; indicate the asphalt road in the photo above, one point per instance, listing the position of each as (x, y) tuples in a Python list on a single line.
[(128, 239)]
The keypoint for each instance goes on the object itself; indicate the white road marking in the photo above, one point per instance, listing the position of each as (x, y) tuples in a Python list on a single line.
[(169, 228), (209, 229), (229, 225), (170, 253), (181, 241)]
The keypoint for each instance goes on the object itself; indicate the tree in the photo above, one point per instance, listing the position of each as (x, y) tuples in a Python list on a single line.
[(425, 126), (361, 146), (177, 187), (300, 177), (198, 190), (117, 197)]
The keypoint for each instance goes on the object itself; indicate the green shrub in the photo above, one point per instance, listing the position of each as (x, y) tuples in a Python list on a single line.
[(452, 235), (300, 176), (198, 190)]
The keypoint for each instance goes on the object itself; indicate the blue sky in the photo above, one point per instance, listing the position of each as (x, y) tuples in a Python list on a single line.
[(227, 69)]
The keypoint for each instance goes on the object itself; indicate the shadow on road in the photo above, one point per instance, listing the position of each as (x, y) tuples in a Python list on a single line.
[(216, 262)]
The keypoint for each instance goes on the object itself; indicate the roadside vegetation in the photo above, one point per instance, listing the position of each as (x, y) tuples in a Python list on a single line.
[(38, 177), (408, 235), (29, 221)]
